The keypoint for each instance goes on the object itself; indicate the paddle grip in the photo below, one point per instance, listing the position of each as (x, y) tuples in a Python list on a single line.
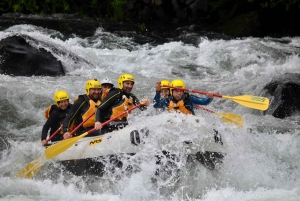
[(53, 134)]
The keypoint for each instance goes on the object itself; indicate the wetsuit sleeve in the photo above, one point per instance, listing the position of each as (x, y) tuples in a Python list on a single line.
[(199, 101), (156, 99), (51, 122), (110, 99), (160, 103), (73, 112), (45, 131)]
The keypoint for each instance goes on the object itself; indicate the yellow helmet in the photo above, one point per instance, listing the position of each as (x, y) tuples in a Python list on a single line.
[(92, 84), (164, 82), (123, 78), (60, 96), (177, 83)]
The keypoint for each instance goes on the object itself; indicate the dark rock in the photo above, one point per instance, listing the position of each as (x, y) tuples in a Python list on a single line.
[(284, 93), (19, 58)]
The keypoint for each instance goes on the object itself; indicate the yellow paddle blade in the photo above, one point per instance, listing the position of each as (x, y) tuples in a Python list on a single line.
[(255, 102), (232, 119), (62, 146), (32, 168)]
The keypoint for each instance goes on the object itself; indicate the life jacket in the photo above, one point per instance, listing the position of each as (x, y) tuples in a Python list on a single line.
[(49, 110), (183, 105), (104, 94), (125, 105), (91, 109)]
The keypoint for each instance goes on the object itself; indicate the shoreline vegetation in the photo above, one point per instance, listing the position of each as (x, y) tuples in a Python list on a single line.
[(234, 18)]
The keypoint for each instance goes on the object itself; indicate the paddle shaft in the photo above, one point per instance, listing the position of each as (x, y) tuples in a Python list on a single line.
[(193, 91), (254, 102), (203, 108), (227, 117)]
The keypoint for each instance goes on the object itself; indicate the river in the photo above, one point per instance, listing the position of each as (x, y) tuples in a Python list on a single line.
[(262, 162)]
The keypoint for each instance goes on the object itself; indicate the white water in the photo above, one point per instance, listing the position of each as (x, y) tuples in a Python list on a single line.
[(262, 162)]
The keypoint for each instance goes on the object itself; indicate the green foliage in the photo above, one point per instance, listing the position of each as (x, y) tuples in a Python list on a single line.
[(215, 5), (235, 8), (90, 8), (277, 3), (118, 13), (36, 6), (21, 6), (142, 27), (66, 6), (231, 5), (115, 9)]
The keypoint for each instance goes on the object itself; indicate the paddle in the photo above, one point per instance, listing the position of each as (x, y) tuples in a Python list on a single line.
[(254, 102), (62, 146), (226, 117), (32, 168)]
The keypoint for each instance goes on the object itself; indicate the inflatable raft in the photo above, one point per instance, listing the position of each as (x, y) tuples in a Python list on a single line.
[(91, 155)]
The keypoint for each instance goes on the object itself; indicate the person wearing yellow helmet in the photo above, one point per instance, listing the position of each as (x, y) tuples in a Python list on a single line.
[(116, 102), (179, 100), (55, 114), (84, 106), (164, 91)]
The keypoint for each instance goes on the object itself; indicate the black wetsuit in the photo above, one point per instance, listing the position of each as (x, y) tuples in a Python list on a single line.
[(54, 121)]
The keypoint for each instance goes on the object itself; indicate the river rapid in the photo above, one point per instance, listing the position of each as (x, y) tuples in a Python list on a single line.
[(262, 161)]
